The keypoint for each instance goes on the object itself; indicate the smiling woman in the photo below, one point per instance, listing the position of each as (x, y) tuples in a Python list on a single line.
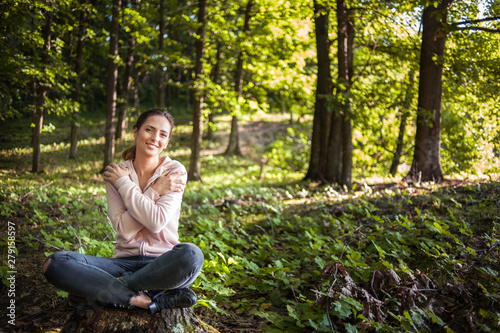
[(150, 269)]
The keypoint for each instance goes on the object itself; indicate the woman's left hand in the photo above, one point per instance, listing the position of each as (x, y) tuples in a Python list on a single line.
[(169, 182), (113, 172)]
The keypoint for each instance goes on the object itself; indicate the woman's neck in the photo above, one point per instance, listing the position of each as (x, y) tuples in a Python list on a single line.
[(145, 166)]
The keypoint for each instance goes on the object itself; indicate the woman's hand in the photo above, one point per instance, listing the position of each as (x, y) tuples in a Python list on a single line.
[(169, 183), (113, 172)]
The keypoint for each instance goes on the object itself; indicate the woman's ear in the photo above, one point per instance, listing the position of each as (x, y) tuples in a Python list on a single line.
[(135, 132)]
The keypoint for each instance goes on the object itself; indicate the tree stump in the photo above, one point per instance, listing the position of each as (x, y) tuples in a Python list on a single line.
[(135, 321)]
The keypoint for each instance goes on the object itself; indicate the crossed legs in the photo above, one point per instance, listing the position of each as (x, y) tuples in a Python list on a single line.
[(123, 281)]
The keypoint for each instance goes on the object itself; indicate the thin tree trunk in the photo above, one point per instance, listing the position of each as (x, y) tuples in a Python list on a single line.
[(179, 80), (324, 90), (345, 64), (188, 89), (161, 79), (402, 128), (111, 82), (137, 99), (426, 165), (195, 163), (121, 124), (233, 147), (169, 87), (78, 86), (334, 158), (214, 75), (42, 91)]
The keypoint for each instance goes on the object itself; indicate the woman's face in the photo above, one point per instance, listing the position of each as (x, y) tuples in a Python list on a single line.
[(153, 136)]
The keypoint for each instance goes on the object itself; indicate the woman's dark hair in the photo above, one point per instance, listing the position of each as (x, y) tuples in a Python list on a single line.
[(129, 153)]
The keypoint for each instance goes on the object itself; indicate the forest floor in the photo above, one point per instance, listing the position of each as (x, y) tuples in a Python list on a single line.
[(426, 254)]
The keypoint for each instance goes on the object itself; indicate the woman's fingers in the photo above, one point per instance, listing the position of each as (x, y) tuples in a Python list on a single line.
[(113, 171), (177, 183)]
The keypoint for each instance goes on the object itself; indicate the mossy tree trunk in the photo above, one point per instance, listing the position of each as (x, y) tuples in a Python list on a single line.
[(135, 321)]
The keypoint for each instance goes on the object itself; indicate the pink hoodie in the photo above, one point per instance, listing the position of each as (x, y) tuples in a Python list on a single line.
[(145, 223)]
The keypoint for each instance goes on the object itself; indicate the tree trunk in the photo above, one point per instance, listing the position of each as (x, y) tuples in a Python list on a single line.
[(161, 65), (195, 164), (78, 86), (333, 173), (179, 80), (188, 89), (121, 124), (345, 64), (331, 146), (42, 92), (426, 165), (135, 321), (402, 128), (214, 76), (233, 148), (109, 134), (324, 90), (137, 99)]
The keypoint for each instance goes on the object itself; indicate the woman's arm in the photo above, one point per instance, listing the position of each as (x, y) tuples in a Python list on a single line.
[(130, 210), (152, 214), (125, 225)]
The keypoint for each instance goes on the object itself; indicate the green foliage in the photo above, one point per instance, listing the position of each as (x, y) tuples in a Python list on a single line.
[(290, 150)]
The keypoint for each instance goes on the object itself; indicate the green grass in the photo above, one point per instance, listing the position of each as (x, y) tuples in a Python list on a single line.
[(287, 256)]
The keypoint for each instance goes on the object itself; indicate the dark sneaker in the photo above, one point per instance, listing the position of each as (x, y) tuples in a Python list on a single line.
[(170, 299)]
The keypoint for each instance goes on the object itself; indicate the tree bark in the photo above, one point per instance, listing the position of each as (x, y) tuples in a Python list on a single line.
[(111, 82), (233, 148), (331, 146), (121, 124), (135, 321), (137, 99), (426, 165), (345, 64), (161, 78), (402, 128), (214, 76), (324, 91), (42, 91), (195, 163), (78, 86)]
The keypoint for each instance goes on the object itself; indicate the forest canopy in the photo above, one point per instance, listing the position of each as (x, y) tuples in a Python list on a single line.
[(70, 58)]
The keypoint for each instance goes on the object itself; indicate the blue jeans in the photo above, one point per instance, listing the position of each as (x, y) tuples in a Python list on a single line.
[(117, 280)]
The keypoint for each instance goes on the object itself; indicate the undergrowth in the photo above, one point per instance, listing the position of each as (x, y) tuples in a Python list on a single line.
[(292, 256)]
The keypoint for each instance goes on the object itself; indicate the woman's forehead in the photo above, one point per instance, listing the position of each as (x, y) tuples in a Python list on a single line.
[(158, 122)]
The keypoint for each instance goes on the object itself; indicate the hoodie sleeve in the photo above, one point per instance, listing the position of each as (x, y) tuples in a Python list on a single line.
[(133, 210), (125, 225)]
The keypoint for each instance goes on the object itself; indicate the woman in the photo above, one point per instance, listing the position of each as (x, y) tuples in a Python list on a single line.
[(150, 269)]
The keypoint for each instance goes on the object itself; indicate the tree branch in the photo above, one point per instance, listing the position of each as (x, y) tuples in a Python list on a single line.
[(487, 19), (480, 28)]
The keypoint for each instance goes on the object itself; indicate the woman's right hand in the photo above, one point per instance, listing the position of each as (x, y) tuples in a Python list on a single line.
[(113, 172), (172, 182)]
